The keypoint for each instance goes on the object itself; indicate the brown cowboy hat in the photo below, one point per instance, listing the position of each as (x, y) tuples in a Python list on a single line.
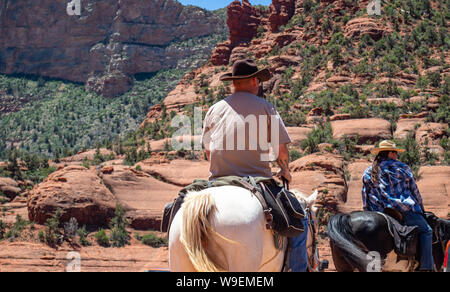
[(386, 145), (245, 69)]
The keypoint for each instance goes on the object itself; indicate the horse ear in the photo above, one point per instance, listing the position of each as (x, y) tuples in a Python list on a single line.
[(311, 201), (312, 198)]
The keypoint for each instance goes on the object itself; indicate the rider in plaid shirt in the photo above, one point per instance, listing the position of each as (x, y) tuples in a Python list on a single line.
[(389, 183), (395, 189)]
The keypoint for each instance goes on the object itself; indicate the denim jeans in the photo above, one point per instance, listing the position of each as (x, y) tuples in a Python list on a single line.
[(298, 259), (425, 238)]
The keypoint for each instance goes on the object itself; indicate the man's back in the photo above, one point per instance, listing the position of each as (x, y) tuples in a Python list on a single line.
[(237, 131)]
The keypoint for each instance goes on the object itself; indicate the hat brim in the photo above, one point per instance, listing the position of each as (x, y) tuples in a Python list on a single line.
[(378, 150), (263, 75)]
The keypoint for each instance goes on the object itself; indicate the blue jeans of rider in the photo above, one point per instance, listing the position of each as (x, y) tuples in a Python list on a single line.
[(425, 238), (298, 259)]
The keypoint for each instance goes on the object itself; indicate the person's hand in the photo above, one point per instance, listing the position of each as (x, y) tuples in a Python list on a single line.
[(286, 174)]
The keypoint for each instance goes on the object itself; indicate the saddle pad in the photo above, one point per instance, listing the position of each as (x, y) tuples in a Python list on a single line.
[(405, 237)]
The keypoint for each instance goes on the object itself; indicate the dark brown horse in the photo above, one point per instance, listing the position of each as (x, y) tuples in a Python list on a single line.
[(356, 237)]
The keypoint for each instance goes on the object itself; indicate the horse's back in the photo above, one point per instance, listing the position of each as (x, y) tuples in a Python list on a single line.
[(241, 242)]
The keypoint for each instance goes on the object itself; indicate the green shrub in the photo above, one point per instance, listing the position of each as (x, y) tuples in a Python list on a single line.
[(429, 157), (82, 233), (119, 235), (152, 240), (347, 146), (2, 230), (294, 155), (411, 156), (16, 231), (102, 238), (321, 134), (41, 236), (52, 235)]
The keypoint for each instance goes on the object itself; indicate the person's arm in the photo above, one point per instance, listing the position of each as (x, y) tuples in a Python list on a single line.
[(283, 163), (413, 188), (208, 154)]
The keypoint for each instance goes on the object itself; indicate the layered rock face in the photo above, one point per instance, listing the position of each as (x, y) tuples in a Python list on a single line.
[(243, 22), (105, 45), (323, 172), (281, 11)]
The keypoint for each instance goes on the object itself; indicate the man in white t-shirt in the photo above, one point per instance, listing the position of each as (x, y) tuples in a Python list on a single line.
[(243, 133)]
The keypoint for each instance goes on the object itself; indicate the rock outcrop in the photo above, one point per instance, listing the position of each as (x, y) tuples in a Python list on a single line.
[(243, 22), (281, 11), (407, 127), (368, 131), (358, 27), (143, 196), (9, 187), (324, 172), (78, 192), (107, 44)]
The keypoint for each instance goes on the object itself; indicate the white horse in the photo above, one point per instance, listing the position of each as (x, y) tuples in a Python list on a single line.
[(224, 229)]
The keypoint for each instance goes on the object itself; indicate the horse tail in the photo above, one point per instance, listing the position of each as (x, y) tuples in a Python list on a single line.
[(353, 250), (198, 210)]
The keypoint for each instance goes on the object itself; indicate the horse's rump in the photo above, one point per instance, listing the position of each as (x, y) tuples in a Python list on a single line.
[(222, 228)]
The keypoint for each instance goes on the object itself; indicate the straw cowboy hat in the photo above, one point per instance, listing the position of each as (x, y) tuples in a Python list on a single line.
[(245, 69), (386, 145)]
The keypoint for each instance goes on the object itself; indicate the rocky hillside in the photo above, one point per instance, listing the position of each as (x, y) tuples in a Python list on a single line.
[(342, 80), (104, 46), (56, 117)]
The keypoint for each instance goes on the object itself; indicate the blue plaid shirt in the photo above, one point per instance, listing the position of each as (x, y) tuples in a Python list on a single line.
[(396, 189)]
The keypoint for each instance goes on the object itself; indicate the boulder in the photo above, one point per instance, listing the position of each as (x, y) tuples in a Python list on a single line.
[(397, 101), (355, 171), (298, 134), (78, 192), (221, 54), (432, 132), (434, 183), (9, 187), (337, 81), (406, 127), (340, 117), (368, 130), (143, 195), (324, 172)]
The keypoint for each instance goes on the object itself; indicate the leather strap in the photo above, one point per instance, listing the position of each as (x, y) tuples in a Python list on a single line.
[(253, 187)]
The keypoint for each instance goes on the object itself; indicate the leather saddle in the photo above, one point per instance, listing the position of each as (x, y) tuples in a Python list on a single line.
[(397, 215), (406, 238)]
